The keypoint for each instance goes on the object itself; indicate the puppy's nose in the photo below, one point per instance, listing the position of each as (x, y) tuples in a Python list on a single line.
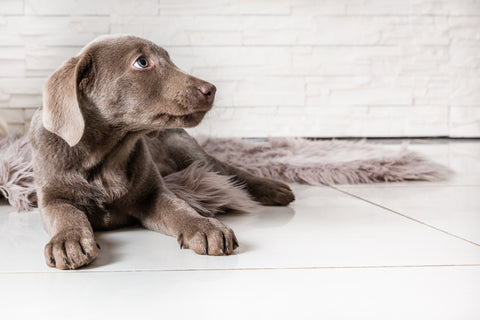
[(208, 90)]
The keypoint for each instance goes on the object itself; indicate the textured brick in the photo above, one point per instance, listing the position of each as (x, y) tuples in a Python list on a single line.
[(12, 62), (451, 8), (351, 30), (193, 31), (385, 7), (277, 30), (286, 67), (276, 91), (413, 30), (340, 122), (465, 30), (464, 90), (215, 37), (11, 7), (311, 8), (58, 30), (342, 31), (164, 31), (42, 58), (90, 7), (21, 86), (233, 63), (28, 114), (4, 96), (465, 121), (413, 7), (350, 60), (372, 96), (12, 68), (224, 7), (12, 115), (25, 101), (465, 59), (428, 90)]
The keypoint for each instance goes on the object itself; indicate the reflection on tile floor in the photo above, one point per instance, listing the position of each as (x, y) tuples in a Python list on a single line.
[(380, 251)]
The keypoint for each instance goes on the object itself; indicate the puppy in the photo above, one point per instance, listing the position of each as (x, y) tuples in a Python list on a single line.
[(107, 132)]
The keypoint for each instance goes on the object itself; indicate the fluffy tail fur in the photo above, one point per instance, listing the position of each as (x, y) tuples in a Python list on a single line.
[(209, 192)]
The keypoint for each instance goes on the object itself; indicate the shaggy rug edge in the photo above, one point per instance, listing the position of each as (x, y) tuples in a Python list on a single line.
[(16, 174), (393, 166)]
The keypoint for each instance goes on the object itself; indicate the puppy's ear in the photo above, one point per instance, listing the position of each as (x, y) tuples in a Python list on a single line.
[(61, 111)]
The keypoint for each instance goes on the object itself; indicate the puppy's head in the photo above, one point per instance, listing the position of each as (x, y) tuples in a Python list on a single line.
[(128, 83)]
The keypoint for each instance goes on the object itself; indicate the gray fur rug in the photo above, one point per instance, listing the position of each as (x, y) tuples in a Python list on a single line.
[(287, 159)]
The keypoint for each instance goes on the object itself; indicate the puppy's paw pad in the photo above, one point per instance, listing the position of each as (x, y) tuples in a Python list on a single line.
[(71, 249)]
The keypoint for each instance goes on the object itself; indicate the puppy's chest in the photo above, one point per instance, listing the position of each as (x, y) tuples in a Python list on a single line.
[(112, 177), (108, 184)]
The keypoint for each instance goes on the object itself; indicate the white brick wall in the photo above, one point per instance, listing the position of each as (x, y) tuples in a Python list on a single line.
[(314, 68)]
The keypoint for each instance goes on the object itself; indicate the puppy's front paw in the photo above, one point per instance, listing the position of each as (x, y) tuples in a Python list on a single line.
[(208, 236), (271, 192), (71, 249)]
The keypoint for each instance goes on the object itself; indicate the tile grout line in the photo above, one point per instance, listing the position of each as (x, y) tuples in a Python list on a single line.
[(404, 215), (243, 269), (431, 185)]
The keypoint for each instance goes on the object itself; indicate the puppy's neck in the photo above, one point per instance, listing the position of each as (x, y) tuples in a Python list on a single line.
[(103, 143)]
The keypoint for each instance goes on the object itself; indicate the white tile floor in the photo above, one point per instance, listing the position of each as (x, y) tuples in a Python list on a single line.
[(382, 251)]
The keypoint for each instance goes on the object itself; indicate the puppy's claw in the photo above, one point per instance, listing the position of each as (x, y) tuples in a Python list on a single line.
[(65, 260), (180, 240), (221, 250), (71, 259), (98, 246), (205, 250), (51, 260), (87, 255)]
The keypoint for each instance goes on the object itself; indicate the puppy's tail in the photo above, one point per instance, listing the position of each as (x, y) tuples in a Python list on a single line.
[(209, 192)]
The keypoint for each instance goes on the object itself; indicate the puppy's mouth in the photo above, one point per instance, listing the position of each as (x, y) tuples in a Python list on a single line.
[(187, 118)]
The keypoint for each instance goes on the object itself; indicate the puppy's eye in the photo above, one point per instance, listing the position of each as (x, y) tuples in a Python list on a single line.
[(141, 63)]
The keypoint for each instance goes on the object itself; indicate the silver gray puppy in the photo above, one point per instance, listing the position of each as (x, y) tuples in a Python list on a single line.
[(107, 132)]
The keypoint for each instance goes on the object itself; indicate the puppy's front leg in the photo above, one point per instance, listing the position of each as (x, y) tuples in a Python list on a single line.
[(73, 244), (203, 235)]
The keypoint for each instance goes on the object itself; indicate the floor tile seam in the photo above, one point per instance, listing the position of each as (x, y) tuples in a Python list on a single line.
[(373, 267), (433, 185), (405, 216)]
